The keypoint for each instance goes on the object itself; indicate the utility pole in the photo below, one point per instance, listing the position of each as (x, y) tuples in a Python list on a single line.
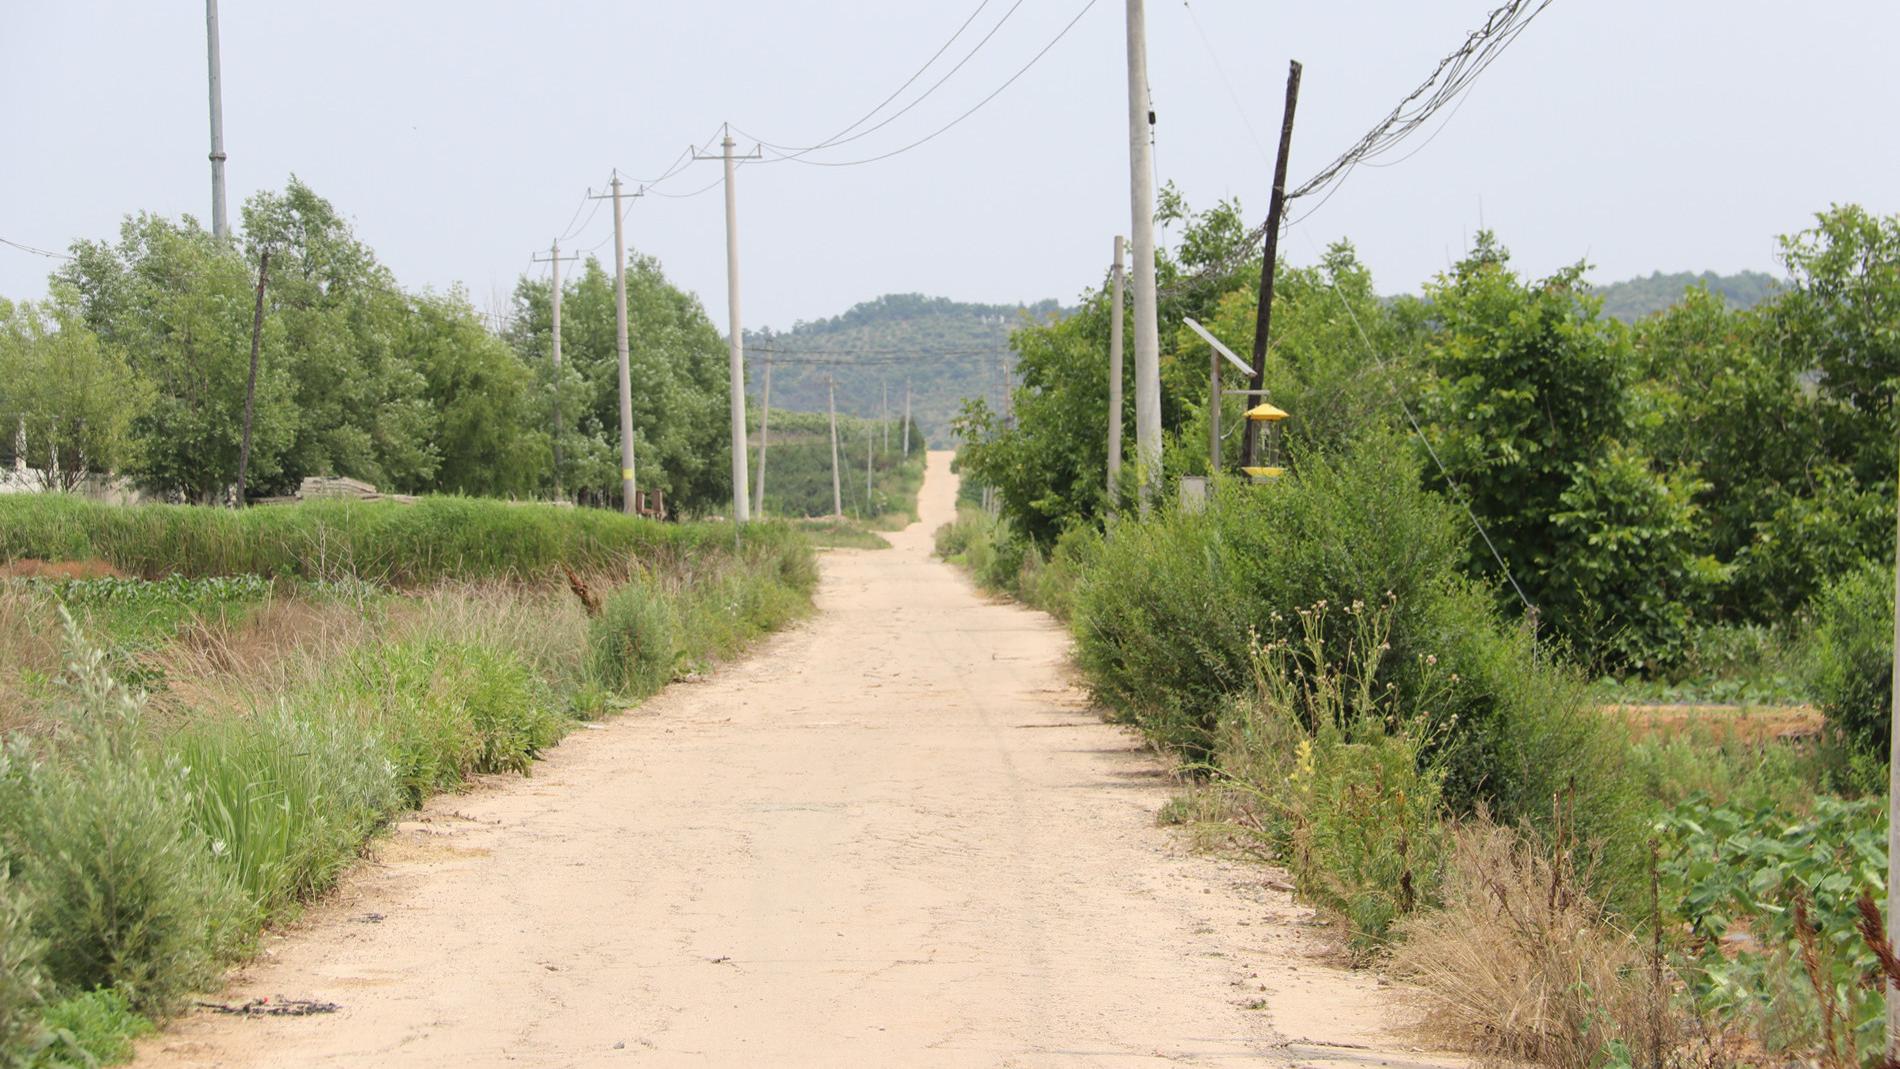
[(765, 429), (868, 454), (1115, 383), (554, 258), (1213, 412), (250, 384), (736, 343), (629, 504), (831, 406), (884, 415), (220, 226), (906, 419), (1263, 312), (1142, 208)]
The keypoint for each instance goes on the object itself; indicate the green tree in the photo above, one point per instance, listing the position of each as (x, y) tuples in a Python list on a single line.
[(361, 402), (1531, 405), (69, 399), (178, 303)]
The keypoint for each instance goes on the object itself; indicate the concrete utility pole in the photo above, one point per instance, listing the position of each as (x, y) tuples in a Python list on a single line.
[(1276, 204), (884, 415), (906, 419), (831, 406), (220, 226), (736, 343), (868, 454), (1141, 192), (629, 503), (765, 431), (1115, 383), (554, 258)]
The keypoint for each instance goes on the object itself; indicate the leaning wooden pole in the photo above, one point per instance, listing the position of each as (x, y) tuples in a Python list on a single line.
[(1263, 311), (250, 384)]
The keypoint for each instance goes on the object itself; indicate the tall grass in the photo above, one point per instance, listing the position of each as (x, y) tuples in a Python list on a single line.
[(144, 838), (381, 541)]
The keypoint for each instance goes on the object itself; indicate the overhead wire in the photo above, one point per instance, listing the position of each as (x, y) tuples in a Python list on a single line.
[(797, 152), (973, 109), (49, 254), (1232, 95), (1448, 84)]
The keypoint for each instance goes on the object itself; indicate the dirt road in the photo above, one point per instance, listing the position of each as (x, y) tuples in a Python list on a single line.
[(896, 835)]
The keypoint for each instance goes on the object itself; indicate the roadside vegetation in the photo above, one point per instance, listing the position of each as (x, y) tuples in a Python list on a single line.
[(201, 736), (1608, 788)]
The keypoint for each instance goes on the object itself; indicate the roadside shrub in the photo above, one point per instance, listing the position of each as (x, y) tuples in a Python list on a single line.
[(20, 982), (1333, 774), (90, 1029), (122, 889), (1521, 965), (1852, 670), (632, 647), (1171, 609)]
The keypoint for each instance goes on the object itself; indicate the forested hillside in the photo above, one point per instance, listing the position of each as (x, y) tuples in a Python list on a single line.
[(946, 350), (1634, 298)]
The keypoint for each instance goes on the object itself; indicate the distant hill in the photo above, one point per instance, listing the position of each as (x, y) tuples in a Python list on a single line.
[(947, 350), (1633, 299)]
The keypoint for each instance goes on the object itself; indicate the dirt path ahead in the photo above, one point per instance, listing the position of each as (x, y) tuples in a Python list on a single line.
[(894, 836)]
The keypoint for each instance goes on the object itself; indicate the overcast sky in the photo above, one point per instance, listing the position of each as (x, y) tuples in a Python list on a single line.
[(460, 136)]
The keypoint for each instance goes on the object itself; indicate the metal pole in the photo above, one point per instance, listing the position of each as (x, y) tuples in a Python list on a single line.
[(906, 419), (765, 435), (1263, 311), (628, 502), (1141, 205), (1213, 411), (831, 406), (220, 227), (736, 345), (1115, 383)]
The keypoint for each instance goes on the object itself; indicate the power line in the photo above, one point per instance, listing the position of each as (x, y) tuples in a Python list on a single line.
[(35, 251), (840, 139), (1245, 120), (1447, 84), (945, 128)]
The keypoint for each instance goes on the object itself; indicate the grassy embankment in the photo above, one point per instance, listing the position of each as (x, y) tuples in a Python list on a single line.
[(1563, 889), (199, 744)]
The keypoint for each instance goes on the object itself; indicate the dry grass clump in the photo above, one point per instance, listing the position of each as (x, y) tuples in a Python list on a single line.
[(1522, 966)]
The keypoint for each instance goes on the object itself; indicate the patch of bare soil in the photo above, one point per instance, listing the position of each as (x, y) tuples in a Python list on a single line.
[(29, 568)]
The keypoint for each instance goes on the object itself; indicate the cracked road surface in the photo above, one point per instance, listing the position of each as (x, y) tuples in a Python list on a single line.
[(895, 834)]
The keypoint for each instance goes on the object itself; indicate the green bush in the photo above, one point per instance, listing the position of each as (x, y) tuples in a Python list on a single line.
[(632, 645), (1170, 610), (1852, 670), (124, 892), (90, 1029), (20, 982)]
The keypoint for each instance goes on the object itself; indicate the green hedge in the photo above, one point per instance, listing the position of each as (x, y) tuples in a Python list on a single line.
[(380, 541)]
